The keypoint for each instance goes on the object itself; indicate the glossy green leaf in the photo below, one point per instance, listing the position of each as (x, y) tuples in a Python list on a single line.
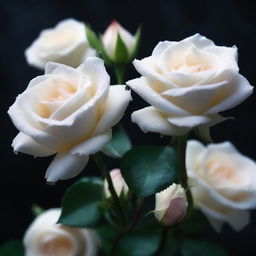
[(196, 247), (119, 144), (121, 51), (149, 169), (144, 240), (12, 248), (81, 204)]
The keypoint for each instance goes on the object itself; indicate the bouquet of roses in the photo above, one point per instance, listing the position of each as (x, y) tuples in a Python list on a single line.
[(73, 113)]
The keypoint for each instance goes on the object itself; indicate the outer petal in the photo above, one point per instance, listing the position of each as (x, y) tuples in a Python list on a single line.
[(152, 120), (91, 146), (239, 89), (95, 69), (113, 109), (189, 121), (25, 144), (148, 67), (193, 150), (236, 218), (65, 166), (141, 87), (199, 41), (161, 46)]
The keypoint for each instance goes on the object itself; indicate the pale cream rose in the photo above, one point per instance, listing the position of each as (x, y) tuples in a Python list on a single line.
[(119, 184), (222, 182), (109, 39), (69, 112), (187, 84), (66, 43), (46, 238), (171, 205)]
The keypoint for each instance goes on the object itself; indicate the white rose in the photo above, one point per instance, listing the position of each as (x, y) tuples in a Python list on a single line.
[(69, 112), (171, 205), (46, 238), (187, 83), (223, 183), (109, 39), (119, 184), (66, 43)]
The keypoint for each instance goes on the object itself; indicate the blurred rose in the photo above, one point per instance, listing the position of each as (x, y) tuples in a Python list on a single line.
[(119, 183), (187, 84), (66, 43), (69, 112), (171, 205), (223, 183), (46, 238), (109, 39)]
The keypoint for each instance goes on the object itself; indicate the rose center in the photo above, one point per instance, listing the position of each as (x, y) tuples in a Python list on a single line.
[(57, 246)]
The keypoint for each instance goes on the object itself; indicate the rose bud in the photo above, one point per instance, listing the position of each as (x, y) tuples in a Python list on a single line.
[(171, 205), (46, 238), (119, 184), (110, 41)]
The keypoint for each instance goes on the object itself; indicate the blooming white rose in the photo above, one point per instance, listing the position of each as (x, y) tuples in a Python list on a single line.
[(109, 39), (66, 43), (187, 83), (171, 205), (119, 183), (69, 112), (223, 183), (46, 238)]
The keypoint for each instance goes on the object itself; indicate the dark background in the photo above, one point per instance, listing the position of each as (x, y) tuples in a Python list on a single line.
[(224, 21)]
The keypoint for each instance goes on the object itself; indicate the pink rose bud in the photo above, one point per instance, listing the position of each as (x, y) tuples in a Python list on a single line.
[(119, 183), (109, 39), (171, 205)]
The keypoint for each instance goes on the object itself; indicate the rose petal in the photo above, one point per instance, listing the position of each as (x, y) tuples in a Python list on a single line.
[(161, 46), (189, 121), (113, 109), (199, 41), (236, 218), (94, 68), (142, 87), (25, 144), (65, 166), (92, 145), (193, 150), (152, 120), (238, 90), (149, 68)]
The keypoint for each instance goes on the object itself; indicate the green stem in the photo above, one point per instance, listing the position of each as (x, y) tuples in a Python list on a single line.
[(138, 210), (181, 148), (120, 72), (163, 241), (103, 167)]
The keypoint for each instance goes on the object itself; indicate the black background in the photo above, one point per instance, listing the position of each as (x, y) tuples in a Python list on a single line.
[(226, 22)]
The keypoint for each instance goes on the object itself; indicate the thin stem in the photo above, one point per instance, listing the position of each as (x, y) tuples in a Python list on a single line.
[(120, 72), (103, 167), (163, 241), (181, 148), (138, 210)]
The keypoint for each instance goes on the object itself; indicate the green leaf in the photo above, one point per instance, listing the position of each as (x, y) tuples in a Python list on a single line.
[(81, 204), (149, 169), (119, 144), (194, 247), (121, 51), (137, 43), (144, 240), (12, 248)]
